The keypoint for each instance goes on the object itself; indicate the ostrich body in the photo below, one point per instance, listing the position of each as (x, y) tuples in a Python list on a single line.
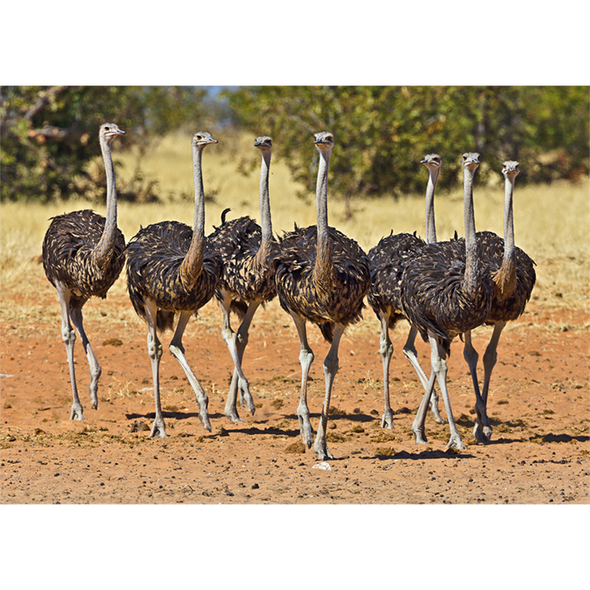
[(321, 276), (247, 279), (447, 290), (171, 270), (513, 275), (388, 259), (83, 254)]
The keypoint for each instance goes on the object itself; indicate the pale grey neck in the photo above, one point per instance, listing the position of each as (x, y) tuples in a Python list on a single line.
[(199, 222), (106, 243), (323, 263), (472, 259), (508, 220), (430, 223), (322, 199), (469, 214), (191, 266), (265, 221)]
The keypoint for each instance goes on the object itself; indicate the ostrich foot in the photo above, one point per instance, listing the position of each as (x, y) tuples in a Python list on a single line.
[(158, 429), (205, 421), (482, 434), (455, 442), (387, 419), (419, 434), (305, 427), (435, 412), (94, 393), (246, 400), (321, 449), (76, 413), (232, 414)]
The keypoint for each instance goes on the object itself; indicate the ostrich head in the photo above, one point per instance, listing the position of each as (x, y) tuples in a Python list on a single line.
[(263, 143), (470, 161), (324, 141), (433, 162), (202, 139), (108, 132), (510, 169)]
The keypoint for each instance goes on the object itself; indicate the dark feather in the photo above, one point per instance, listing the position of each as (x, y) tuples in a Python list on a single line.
[(154, 257), (223, 214), (68, 255), (294, 263), (435, 296), (388, 260), (512, 306), (247, 274)]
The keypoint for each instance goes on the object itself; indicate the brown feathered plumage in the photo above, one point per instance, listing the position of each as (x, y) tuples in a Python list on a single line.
[(388, 259), (246, 274), (436, 297), (341, 300), (511, 294), (68, 255), (154, 257)]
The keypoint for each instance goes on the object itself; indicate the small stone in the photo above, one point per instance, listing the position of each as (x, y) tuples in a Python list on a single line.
[(323, 466)]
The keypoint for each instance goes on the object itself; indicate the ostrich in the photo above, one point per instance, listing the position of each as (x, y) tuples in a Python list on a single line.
[(247, 279), (446, 290), (388, 260), (83, 254), (321, 276), (513, 274), (171, 270)]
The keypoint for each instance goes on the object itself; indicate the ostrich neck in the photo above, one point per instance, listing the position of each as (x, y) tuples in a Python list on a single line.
[(106, 244), (192, 264), (323, 262), (265, 222), (430, 224), (471, 258), (506, 276)]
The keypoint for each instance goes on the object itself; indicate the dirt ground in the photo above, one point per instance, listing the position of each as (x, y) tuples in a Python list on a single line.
[(539, 453)]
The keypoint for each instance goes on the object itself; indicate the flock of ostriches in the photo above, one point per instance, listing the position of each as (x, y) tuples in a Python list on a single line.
[(443, 289)]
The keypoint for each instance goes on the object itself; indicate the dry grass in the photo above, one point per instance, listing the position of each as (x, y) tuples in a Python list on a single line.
[(552, 224)]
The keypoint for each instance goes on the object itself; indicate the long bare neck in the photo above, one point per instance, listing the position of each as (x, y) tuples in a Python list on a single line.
[(508, 222), (472, 261), (191, 267), (265, 219), (104, 248), (430, 224), (505, 278), (323, 262)]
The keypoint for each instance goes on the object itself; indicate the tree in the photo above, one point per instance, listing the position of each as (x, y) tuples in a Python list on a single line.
[(50, 134), (382, 132)]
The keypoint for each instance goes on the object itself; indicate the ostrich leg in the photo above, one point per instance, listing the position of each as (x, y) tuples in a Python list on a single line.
[(471, 356), (490, 358), (177, 349), (68, 335), (439, 367), (386, 350), (155, 354), (231, 338), (411, 354), (305, 358), (95, 370), (242, 341), (330, 369), (420, 419)]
